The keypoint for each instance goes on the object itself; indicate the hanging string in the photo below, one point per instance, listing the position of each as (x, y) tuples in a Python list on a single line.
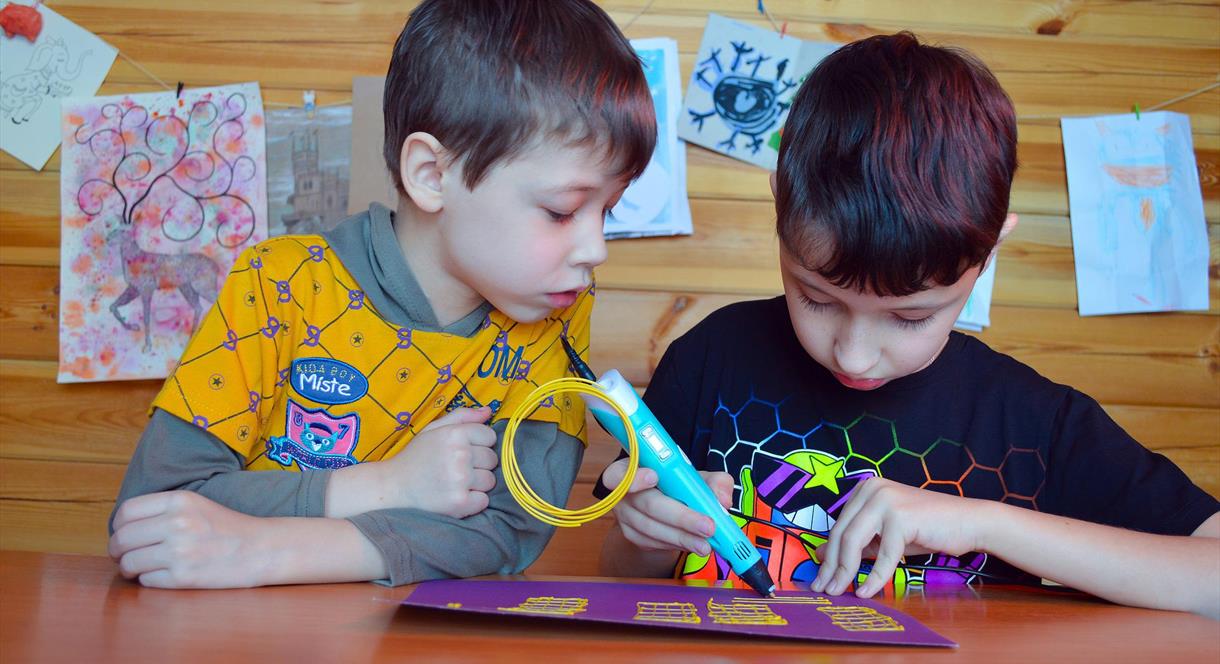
[(169, 88), (1050, 119), (762, 10), (643, 10)]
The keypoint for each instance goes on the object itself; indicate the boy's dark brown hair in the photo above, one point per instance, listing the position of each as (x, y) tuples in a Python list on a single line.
[(488, 78), (895, 166)]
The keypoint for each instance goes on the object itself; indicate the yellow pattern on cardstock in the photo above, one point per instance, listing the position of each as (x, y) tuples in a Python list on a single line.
[(861, 619), (743, 613), (790, 599), (555, 606), (670, 612)]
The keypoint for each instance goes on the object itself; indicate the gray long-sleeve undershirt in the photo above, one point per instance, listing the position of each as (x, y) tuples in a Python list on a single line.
[(416, 545)]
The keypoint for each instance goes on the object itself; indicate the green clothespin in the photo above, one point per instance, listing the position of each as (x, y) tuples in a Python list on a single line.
[(1136, 108)]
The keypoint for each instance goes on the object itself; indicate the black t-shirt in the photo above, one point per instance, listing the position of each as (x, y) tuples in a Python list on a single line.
[(740, 394)]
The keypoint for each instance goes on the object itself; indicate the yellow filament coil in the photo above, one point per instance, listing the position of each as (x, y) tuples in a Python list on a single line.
[(536, 505)]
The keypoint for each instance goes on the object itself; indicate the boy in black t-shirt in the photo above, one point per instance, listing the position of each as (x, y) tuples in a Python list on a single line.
[(846, 423)]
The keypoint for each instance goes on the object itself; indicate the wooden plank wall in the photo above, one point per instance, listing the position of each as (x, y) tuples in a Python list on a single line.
[(63, 448)]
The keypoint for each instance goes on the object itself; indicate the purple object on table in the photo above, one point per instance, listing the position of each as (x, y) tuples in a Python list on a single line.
[(791, 614)]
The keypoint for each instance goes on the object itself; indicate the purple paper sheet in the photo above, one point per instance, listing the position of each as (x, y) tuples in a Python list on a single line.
[(791, 614)]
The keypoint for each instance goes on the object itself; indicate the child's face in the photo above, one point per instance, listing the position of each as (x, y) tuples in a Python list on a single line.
[(864, 339), (528, 236)]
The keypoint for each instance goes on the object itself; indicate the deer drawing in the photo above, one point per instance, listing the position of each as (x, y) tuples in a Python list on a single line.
[(146, 272)]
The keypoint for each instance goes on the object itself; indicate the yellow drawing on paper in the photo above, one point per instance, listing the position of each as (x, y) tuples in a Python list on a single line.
[(790, 599), (861, 619), (743, 613), (551, 606), (668, 612)]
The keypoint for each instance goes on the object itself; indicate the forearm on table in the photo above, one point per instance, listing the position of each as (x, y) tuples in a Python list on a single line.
[(1124, 566), (314, 550)]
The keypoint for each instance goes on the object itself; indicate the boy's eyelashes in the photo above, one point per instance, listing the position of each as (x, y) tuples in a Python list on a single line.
[(565, 217), (812, 304), (560, 217), (908, 323), (914, 323)]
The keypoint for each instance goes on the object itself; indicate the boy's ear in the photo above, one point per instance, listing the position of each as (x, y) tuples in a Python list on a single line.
[(421, 165), (772, 184), (1010, 222)]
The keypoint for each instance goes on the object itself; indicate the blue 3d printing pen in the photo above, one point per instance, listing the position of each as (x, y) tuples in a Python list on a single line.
[(676, 477)]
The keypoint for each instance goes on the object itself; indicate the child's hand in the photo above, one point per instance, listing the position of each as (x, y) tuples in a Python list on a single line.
[(887, 520), (447, 468), (179, 539), (655, 522)]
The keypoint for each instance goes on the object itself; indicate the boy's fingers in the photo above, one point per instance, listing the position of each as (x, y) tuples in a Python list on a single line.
[(858, 533), (484, 457), (479, 434), (828, 558), (672, 513), (615, 472), (140, 507), (476, 501), (721, 484), (667, 535), (460, 416), (644, 541), (142, 561), (482, 480), (859, 498), (135, 535), (888, 554)]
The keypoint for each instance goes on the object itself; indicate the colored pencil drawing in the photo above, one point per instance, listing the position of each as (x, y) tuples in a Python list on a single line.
[(308, 160), (1138, 229), (66, 60), (159, 194), (48, 74)]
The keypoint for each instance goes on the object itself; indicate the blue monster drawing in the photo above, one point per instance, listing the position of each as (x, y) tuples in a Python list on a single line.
[(747, 103)]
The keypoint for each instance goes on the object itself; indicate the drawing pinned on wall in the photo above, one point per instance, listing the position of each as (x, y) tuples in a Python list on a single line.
[(370, 178), (308, 155), (65, 61), (1138, 231), (976, 315), (741, 86), (789, 614), (656, 203), (158, 194)]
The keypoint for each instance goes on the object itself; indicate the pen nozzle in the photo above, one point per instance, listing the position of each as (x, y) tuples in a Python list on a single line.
[(578, 365)]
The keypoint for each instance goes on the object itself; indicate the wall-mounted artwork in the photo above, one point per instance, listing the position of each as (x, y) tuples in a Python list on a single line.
[(741, 87), (159, 194), (65, 60), (1138, 231), (656, 203), (308, 159)]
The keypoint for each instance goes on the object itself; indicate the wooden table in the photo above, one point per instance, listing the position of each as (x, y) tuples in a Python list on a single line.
[(75, 608)]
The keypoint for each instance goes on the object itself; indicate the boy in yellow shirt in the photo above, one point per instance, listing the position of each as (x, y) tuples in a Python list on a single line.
[(369, 360)]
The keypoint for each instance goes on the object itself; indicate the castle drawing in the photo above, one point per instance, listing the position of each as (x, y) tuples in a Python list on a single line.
[(319, 196)]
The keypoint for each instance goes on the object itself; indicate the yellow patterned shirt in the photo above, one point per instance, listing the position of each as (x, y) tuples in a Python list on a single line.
[(293, 367)]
